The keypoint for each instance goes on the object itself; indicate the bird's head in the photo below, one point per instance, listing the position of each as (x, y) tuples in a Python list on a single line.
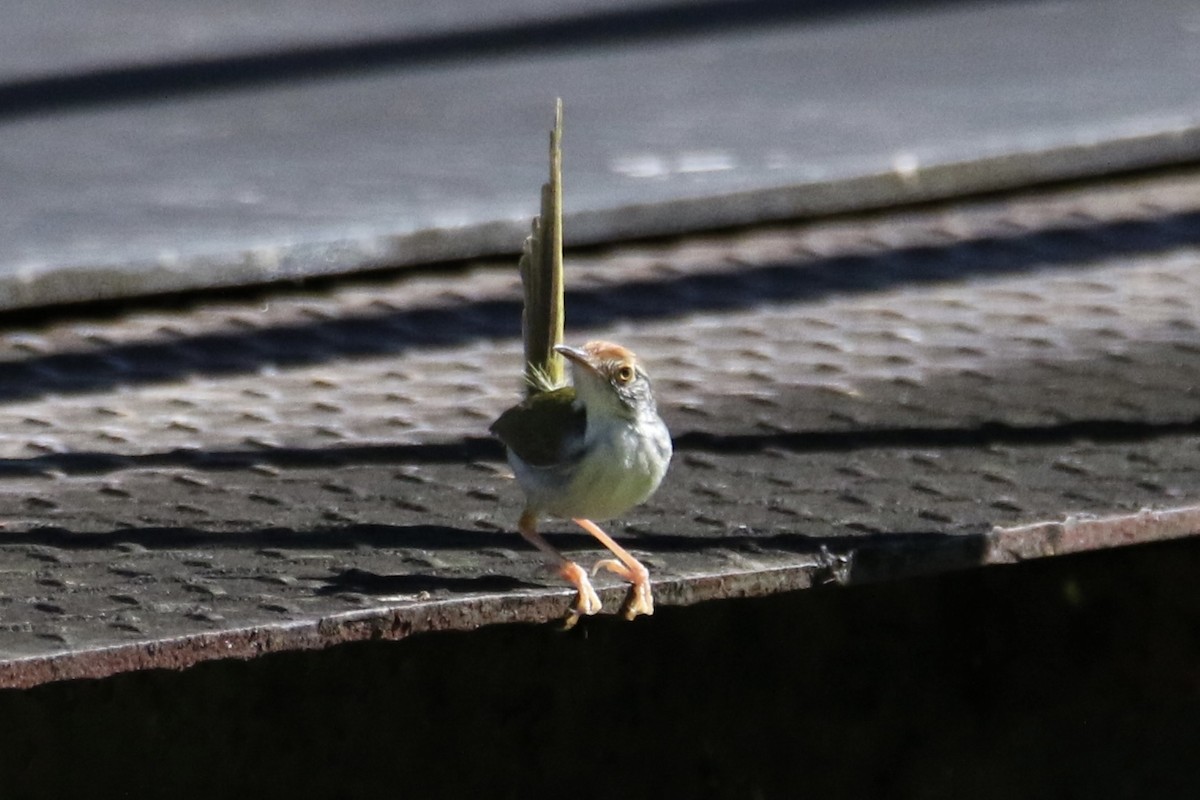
[(608, 378)]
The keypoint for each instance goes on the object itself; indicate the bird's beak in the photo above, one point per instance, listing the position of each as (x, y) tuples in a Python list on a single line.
[(580, 357)]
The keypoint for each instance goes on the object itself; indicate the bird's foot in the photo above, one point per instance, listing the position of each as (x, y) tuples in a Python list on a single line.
[(586, 602), (640, 600)]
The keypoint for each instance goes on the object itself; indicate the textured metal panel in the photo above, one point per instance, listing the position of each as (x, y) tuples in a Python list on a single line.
[(852, 400)]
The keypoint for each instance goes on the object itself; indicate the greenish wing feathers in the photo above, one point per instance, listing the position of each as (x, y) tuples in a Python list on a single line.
[(535, 428), (541, 268)]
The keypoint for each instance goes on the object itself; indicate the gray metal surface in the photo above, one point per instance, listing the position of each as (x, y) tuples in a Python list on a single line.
[(416, 146), (852, 401)]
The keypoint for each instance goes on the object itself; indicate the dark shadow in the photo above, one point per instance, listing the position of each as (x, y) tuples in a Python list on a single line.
[(487, 449), (170, 538), (365, 582), (98, 463), (393, 332), (445, 538), (844, 560), (988, 433), (292, 63)]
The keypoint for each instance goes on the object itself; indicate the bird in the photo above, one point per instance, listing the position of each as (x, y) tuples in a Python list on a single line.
[(586, 450)]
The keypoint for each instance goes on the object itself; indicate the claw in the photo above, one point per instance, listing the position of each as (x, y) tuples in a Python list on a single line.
[(587, 601), (638, 601)]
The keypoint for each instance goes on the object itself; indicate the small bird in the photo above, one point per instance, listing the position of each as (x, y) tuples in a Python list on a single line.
[(589, 450), (592, 450)]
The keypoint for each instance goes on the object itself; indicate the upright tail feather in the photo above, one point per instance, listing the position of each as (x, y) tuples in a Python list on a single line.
[(541, 268)]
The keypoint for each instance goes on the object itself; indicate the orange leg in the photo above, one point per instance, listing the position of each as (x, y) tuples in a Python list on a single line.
[(640, 600), (586, 602)]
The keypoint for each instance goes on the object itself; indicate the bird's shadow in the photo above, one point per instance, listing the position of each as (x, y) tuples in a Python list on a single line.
[(361, 581), (850, 559)]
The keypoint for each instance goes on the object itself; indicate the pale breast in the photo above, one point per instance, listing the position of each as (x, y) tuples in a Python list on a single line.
[(623, 465)]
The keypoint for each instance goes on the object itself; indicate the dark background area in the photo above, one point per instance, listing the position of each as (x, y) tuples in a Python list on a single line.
[(1070, 677)]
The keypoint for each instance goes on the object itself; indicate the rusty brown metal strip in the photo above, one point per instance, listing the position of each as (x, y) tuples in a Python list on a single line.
[(1080, 534)]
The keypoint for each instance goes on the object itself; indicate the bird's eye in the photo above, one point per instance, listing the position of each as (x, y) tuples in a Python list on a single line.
[(624, 374)]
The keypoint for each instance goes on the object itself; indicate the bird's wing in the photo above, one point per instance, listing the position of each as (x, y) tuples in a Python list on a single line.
[(537, 427)]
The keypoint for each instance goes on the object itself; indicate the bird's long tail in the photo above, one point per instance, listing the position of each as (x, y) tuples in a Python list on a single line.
[(541, 268)]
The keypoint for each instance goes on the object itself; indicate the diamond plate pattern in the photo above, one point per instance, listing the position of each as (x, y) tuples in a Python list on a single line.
[(229, 475)]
